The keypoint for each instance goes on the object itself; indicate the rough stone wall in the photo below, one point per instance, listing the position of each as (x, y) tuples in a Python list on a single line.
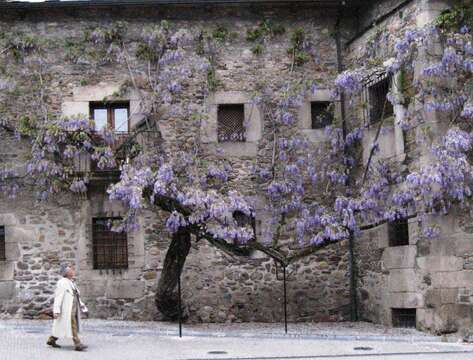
[(433, 276), (215, 287)]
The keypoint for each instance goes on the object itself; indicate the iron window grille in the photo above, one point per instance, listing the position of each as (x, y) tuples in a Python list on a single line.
[(110, 248), (377, 87), (230, 123), (404, 318), (398, 232), (3, 255), (321, 114)]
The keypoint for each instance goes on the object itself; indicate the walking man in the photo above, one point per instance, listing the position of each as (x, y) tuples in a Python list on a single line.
[(66, 310)]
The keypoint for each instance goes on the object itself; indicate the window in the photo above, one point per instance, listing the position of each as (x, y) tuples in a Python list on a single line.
[(398, 232), (230, 123), (2, 244), (321, 114), (110, 248), (377, 99), (113, 116), (404, 318)]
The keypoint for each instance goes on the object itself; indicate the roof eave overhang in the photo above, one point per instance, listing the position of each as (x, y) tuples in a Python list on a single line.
[(108, 3)]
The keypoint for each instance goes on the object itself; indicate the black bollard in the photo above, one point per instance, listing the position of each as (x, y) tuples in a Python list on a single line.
[(179, 304), (285, 298)]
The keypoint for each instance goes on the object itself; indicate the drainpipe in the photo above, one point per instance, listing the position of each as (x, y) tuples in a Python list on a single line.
[(351, 238)]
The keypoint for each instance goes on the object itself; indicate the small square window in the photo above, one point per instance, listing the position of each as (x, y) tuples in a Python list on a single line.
[(379, 104), (230, 123), (321, 113), (110, 248), (114, 116), (404, 318), (398, 232), (3, 255)]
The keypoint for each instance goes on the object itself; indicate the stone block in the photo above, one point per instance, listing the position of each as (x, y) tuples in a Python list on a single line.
[(7, 269), (405, 300), (130, 289), (440, 263), (8, 220), (402, 280), (93, 289), (453, 279), (18, 235), (7, 290), (95, 92), (73, 108), (435, 247), (12, 251), (399, 257), (448, 296), (389, 144), (463, 244), (433, 298), (229, 149)]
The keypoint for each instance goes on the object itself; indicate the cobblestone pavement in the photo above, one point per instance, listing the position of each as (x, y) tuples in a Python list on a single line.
[(119, 340)]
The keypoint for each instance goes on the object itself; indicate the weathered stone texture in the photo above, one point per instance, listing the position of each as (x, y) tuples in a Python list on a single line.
[(434, 276), (215, 286)]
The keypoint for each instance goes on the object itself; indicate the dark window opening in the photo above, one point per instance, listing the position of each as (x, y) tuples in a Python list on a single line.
[(379, 104), (113, 116), (404, 318), (230, 123), (398, 232), (242, 219), (3, 255), (321, 114), (110, 248)]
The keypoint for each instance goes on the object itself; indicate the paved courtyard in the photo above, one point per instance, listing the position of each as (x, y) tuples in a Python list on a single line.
[(118, 340)]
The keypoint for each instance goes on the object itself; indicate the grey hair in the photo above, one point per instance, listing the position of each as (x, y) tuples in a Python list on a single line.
[(64, 269)]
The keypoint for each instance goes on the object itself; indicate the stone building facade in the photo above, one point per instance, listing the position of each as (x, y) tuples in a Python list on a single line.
[(431, 279)]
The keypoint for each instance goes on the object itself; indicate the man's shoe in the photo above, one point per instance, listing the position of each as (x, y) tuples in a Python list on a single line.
[(52, 342), (80, 347)]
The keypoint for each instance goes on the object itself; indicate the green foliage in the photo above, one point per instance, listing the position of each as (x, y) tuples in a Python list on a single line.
[(207, 43), (257, 49), (73, 49), (296, 48), (454, 18), (153, 41), (212, 80), (19, 44), (405, 87), (146, 53), (265, 28), (26, 126), (113, 34), (300, 58), (220, 33)]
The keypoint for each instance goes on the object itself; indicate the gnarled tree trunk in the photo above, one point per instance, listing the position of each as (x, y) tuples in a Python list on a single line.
[(166, 295)]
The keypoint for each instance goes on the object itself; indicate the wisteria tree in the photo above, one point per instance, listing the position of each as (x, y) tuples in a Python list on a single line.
[(312, 196)]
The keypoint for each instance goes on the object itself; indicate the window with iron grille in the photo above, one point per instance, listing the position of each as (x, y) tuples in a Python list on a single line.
[(379, 104), (404, 318), (110, 248), (230, 123), (2, 244), (113, 116), (398, 232), (321, 114)]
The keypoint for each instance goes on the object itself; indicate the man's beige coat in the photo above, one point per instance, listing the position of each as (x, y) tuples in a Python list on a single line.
[(63, 299)]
